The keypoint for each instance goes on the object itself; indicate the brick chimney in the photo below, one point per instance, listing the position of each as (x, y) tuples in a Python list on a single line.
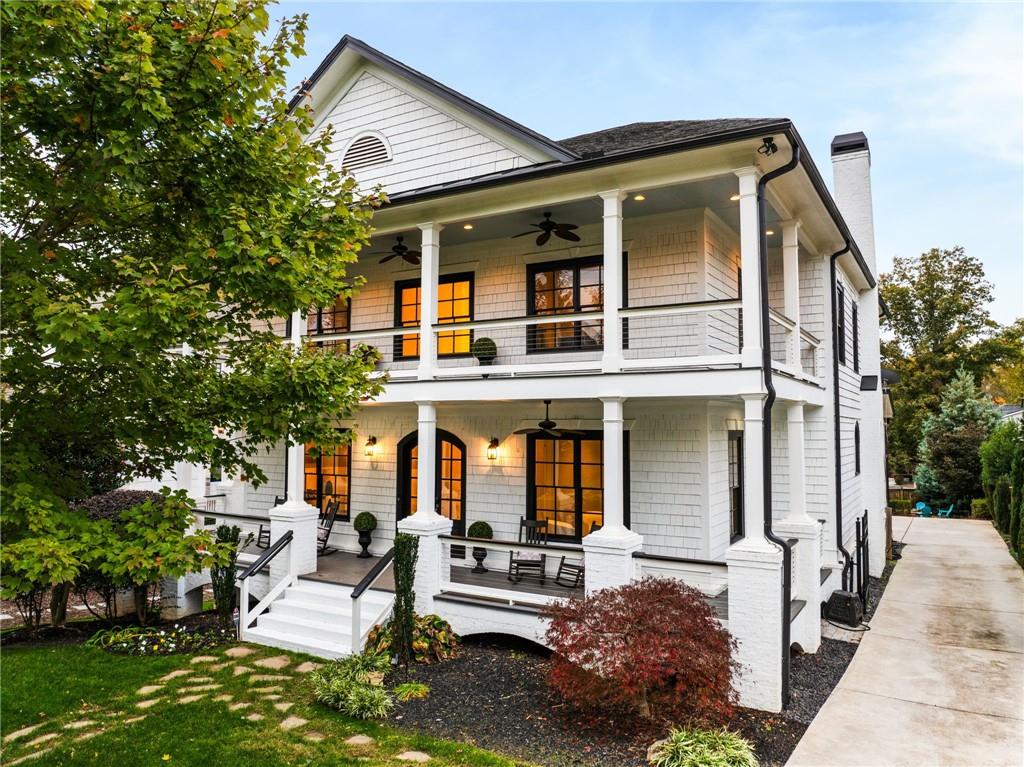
[(851, 181)]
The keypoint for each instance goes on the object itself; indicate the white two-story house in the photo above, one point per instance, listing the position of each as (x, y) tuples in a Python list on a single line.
[(698, 308)]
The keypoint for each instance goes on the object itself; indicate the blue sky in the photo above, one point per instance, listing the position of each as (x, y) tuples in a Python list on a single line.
[(938, 89)]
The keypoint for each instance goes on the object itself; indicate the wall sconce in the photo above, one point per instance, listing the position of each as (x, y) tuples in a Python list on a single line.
[(371, 447), (492, 449)]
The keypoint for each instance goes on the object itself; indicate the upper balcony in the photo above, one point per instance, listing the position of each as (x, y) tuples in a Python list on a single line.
[(643, 280)]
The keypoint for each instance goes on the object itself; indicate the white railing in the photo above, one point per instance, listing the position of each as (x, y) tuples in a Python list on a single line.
[(692, 334), (214, 515), (398, 348), (247, 616), (490, 584), (810, 350), (707, 576), (781, 329)]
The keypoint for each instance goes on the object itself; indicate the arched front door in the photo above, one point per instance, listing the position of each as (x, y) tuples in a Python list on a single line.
[(450, 479)]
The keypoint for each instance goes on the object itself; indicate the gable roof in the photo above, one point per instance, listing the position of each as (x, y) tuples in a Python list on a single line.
[(349, 43), (634, 136)]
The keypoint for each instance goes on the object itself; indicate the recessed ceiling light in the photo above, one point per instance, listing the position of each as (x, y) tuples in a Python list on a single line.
[(769, 232), (639, 198), (735, 198), (467, 226)]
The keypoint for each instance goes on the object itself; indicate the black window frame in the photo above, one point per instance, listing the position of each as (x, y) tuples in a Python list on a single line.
[(531, 309), (416, 282), (318, 329), (855, 322), (856, 448), (531, 480), (345, 514), (841, 323), (736, 525)]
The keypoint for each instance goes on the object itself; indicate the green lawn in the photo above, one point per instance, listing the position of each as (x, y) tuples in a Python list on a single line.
[(57, 687)]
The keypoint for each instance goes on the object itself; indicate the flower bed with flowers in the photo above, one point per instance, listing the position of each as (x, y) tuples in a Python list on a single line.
[(146, 640)]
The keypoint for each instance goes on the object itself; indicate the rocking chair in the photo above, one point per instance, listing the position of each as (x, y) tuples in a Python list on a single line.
[(324, 525), (263, 536), (522, 563)]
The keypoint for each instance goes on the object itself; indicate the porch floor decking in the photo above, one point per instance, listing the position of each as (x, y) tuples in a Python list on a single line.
[(496, 578)]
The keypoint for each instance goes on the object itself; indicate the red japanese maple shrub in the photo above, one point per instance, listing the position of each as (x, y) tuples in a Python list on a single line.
[(652, 645)]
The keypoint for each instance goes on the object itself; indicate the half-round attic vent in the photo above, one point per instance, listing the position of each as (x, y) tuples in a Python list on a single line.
[(368, 149)]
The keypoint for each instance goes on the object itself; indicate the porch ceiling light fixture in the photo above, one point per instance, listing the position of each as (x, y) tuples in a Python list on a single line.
[(371, 447), (492, 449), (467, 227), (639, 197), (769, 232), (734, 198)]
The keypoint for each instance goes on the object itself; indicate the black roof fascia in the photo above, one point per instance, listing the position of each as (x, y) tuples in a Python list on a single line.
[(553, 169), (438, 89)]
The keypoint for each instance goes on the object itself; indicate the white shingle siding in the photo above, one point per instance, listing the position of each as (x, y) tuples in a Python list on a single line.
[(850, 414), (429, 146)]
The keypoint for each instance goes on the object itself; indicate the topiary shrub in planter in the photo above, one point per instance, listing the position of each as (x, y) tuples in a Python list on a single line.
[(687, 747), (652, 645), (407, 550), (355, 686), (364, 524), (485, 350), (432, 639), (480, 529)]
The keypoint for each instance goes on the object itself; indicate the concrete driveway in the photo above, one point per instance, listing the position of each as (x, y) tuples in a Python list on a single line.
[(939, 679)]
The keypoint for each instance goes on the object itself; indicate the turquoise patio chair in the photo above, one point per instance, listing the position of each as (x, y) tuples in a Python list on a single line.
[(946, 512), (923, 509)]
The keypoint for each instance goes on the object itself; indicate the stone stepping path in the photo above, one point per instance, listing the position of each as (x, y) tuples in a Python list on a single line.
[(264, 701), (413, 756)]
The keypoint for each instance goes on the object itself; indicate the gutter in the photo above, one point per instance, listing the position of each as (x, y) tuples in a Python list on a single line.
[(837, 435), (769, 402)]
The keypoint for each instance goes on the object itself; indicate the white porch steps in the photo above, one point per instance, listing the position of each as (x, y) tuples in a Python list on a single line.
[(316, 618)]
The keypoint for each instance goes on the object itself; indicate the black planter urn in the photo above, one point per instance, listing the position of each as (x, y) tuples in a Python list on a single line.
[(365, 539), (479, 554)]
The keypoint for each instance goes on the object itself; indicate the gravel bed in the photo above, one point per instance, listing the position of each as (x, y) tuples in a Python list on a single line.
[(494, 695), (813, 677)]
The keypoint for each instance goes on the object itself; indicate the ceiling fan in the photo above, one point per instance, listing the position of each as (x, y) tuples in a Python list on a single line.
[(548, 426), (547, 227), (400, 249)]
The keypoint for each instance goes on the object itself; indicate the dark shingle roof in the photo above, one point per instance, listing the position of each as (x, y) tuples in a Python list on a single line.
[(641, 135)]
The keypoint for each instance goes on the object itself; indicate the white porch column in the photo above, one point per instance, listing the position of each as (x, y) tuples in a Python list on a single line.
[(608, 553), (806, 564), (755, 580), (430, 246), (426, 523), (750, 286), (611, 360), (791, 285), (294, 514)]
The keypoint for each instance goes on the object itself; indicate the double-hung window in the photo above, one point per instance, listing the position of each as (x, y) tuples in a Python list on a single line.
[(327, 474), (565, 287), (454, 304), (328, 320)]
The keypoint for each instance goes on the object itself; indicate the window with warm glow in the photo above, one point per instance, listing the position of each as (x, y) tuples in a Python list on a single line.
[(566, 287), (327, 477), (567, 483), (454, 304), (328, 321)]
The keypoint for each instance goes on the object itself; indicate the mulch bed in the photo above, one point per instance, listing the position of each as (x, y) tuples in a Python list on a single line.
[(494, 695), (78, 631)]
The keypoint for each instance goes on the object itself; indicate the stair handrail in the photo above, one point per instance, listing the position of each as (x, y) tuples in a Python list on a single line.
[(245, 615), (357, 597)]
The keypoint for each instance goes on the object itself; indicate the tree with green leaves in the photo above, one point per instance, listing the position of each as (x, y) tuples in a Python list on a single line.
[(938, 323), (950, 468), (162, 208)]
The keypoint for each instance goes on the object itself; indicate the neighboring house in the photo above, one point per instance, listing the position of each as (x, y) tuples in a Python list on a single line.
[(644, 329)]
